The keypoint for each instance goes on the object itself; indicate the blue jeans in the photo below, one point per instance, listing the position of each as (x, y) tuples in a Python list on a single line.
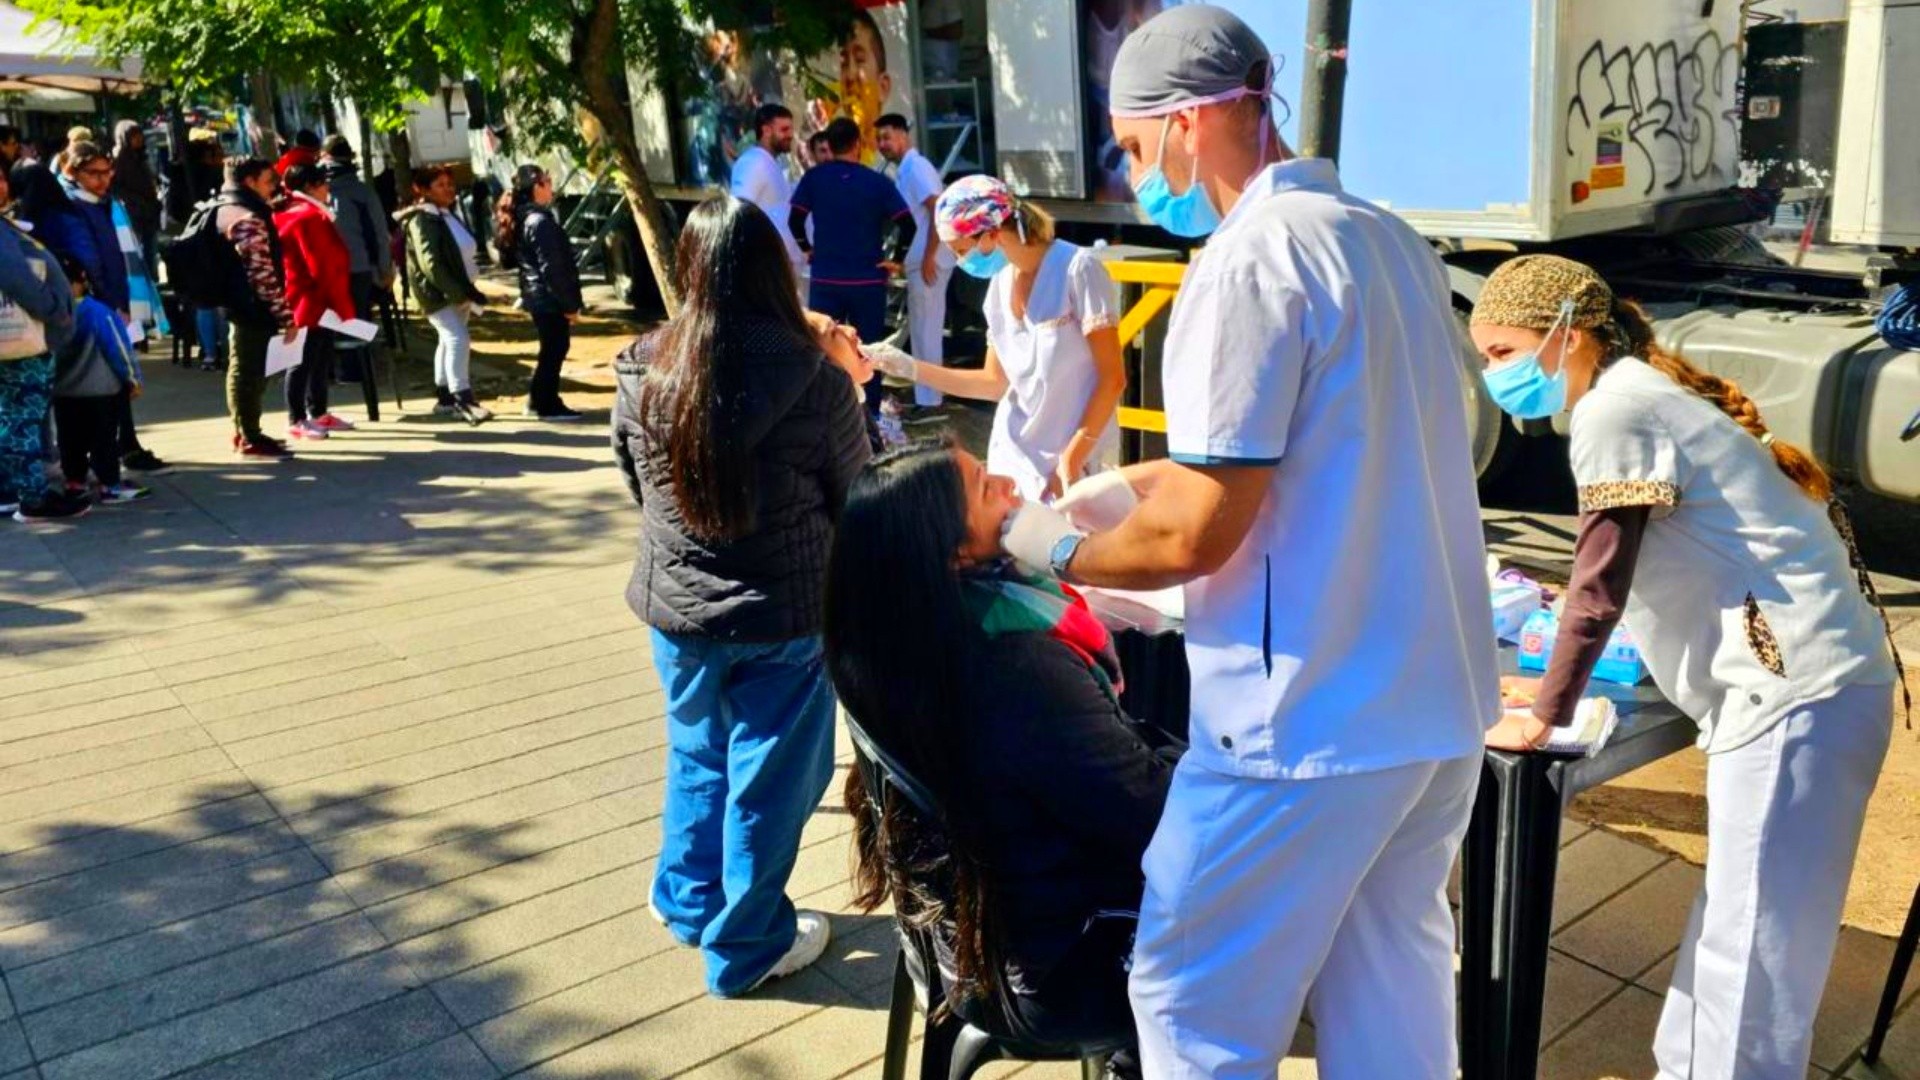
[(210, 326), (749, 755), (863, 307)]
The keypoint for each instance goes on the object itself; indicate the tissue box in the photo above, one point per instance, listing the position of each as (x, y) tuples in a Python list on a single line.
[(1620, 663), (1513, 603)]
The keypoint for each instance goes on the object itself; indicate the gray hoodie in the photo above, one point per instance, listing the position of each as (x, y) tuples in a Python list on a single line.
[(362, 220)]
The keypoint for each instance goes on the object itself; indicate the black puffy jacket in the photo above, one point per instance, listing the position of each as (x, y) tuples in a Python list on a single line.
[(549, 280), (807, 432)]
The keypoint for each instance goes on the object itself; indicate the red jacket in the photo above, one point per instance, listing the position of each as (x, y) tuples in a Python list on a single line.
[(297, 155), (316, 262)]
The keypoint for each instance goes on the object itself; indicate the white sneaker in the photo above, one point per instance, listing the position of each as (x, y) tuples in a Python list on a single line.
[(811, 933)]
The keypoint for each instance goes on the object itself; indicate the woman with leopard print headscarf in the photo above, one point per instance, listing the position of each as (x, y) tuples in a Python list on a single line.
[(1723, 548)]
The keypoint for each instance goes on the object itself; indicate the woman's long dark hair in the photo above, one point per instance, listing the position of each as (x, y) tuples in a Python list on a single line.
[(730, 267), (902, 678), (511, 209)]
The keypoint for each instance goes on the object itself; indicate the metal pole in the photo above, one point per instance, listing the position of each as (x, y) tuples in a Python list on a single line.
[(1324, 78)]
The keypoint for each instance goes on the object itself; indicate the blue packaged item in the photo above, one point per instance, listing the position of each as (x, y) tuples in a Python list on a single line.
[(1619, 663)]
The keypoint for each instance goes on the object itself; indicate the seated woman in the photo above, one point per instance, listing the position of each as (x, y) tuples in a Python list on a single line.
[(997, 693)]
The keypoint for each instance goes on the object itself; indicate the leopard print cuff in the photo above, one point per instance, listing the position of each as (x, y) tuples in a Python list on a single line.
[(1611, 494)]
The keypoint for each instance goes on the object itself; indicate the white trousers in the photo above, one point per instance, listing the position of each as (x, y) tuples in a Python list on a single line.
[(453, 351), (1266, 895), (927, 323), (1783, 823)]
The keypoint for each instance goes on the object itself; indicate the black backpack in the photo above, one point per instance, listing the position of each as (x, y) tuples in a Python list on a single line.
[(202, 265)]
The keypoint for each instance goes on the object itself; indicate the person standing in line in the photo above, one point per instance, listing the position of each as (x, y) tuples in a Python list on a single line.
[(441, 272), (854, 206), (739, 431), (529, 235), (1725, 549), (137, 189), (929, 265), (1053, 351), (759, 178), (195, 179), (304, 151), (91, 372), (316, 265), (36, 316), (363, 225), (258, 308), (1321, 515)]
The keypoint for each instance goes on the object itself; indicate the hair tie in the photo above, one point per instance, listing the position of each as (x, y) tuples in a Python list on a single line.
[(1767, 440)]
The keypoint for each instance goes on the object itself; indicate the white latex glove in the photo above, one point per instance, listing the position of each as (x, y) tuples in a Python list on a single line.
[(1031, 533), (892, 361), (1098, 502)]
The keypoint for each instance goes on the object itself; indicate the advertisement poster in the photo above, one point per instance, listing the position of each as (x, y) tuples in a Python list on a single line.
[(866, 77)]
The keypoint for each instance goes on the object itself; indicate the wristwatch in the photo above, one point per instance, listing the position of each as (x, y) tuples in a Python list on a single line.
[(1062, 554)]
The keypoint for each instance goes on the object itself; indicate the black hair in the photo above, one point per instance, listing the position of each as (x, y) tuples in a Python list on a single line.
[(242, 170), (818, 138), (307, 138), (338, 148), (843, 135), (511, 208), (302, 177), (76, 272), (892, 120), (864, 18), (9, 133), (730, 268), (904, 522), (767, 114)]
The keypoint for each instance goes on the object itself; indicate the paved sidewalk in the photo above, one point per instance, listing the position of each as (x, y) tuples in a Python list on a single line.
[(350, 766)]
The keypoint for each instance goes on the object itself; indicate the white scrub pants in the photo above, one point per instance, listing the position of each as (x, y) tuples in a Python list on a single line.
[(927, 323), (453, 351), (1266, 895), (1783, 823)]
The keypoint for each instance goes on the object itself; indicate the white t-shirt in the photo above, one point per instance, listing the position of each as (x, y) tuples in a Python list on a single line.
[(1049, 365), (918, 181), (1745, 602), (1349, 632), (759, 179)]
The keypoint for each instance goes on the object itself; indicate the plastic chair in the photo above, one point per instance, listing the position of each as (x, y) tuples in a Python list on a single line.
[(952, 1049), (1896, 979)]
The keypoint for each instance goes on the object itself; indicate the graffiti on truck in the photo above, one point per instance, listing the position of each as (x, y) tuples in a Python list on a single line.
[(1670, 104)]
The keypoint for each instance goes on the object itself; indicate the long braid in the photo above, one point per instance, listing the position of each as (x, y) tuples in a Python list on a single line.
[(1631, 334)]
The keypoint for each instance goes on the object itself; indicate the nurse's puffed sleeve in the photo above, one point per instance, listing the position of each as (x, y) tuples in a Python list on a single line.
[(1235, 358), (1623, 455), (1090, 290)]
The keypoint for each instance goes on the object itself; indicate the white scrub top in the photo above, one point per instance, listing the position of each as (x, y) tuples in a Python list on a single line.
[(1745, 601), (759, 179), (1049, 365), (1349, 633), (919, 180)]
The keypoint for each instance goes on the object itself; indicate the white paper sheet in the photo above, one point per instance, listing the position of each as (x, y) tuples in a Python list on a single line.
[(282, 356), (358, 329)]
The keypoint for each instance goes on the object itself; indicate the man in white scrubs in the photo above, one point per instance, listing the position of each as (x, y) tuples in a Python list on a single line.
[(929, 263), (1319, 508), (759, 178)]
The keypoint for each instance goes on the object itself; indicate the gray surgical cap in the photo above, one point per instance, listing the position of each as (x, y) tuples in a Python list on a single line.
[(1194, 54)]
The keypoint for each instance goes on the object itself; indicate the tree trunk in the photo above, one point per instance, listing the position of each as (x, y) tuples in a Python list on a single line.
[(599, 61), (400, 160), (265, 139)]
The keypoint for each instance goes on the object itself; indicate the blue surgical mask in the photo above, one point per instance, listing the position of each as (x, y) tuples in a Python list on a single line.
[(983, 264), (1523, 389), (1190, 214)]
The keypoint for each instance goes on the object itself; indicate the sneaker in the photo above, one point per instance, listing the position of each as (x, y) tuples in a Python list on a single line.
[(123, 492), (8, 504), (306, 429), (331, 422), (54, 506), (560, 414), (811, 932), (471, 410), (263, 447), (443, 404), (145, 461)]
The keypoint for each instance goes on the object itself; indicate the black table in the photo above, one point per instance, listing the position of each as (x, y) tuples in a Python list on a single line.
[(1508, 861)]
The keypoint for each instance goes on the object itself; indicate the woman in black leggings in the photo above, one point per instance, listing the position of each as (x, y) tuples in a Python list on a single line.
[(529, 235)]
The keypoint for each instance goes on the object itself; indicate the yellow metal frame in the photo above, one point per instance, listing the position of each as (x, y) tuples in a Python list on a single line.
[(1162, 281)]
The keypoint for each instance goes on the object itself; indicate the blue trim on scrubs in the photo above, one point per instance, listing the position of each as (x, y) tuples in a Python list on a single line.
[(1212, 459)]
